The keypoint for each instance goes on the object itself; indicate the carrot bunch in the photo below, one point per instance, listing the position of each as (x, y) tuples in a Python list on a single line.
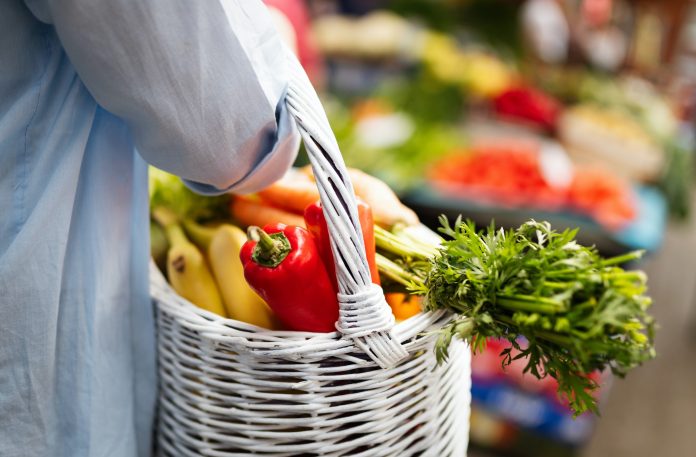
[(285, 200)]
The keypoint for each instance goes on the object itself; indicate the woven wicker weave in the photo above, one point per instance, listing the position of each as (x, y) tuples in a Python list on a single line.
[(370, 389)]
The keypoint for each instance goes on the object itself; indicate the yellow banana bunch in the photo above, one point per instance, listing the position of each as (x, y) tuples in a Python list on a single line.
[(223, 244), (186, 267)]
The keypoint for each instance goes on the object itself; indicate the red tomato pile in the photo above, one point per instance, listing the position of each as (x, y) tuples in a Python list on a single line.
[(606, 198), (509, 174)]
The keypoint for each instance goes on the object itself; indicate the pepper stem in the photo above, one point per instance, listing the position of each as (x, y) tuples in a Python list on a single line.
[(270, 250)]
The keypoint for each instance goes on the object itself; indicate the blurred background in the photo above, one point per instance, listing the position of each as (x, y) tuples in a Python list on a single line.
[(579, 112)]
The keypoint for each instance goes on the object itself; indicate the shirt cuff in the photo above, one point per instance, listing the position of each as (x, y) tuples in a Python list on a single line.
[(275, 156)]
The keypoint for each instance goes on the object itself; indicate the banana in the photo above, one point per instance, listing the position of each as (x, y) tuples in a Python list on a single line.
[(222, 244), (241, 302), (186, 267), (159, 245)]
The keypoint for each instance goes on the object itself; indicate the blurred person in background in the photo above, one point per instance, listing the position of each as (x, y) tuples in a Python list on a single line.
[(89, 92), (293, 22), (558, 33)]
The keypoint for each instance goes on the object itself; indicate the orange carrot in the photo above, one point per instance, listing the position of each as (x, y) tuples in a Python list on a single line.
[(294, 192), (254, 212), (387, 209)]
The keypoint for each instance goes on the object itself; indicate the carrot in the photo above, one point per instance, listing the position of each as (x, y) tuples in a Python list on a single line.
[(386, 207), (294, 192), (254, 212)]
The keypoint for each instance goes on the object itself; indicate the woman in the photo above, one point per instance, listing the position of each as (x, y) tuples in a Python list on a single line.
[(89, 92)]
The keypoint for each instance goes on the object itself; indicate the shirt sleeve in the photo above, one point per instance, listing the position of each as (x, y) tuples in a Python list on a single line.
[(201, 84)]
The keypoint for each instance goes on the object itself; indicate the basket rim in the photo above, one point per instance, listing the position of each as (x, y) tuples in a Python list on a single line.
[(228, 330)]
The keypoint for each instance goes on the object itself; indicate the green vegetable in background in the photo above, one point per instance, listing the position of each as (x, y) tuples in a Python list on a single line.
[(578, 312), (433, 107)]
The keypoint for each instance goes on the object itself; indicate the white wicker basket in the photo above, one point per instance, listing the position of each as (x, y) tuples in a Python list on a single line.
[(372, 388)]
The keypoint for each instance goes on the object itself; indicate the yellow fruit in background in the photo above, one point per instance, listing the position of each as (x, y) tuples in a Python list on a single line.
[(479, 72), (486, 75)]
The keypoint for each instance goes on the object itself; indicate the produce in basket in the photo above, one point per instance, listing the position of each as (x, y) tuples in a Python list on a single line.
[(292, 192), (251, 211), (316, 224), (578, 312), (168, 191), (404, 305), (187, 270), (222, 245), (386, 206), (283, 202), (283, 265)]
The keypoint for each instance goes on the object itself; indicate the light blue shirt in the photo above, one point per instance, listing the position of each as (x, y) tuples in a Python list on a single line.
[(196, 86)]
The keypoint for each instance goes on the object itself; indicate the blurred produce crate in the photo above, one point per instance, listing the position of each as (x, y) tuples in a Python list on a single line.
[(645, 233), (517, 415)]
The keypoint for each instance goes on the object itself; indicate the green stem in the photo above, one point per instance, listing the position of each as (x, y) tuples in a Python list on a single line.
[(176, 235), (560, 340), (392, 243), (556, 285), (200, 235), (164, 216), (561, 273), (530, 304), (555, 338), (587, 304), (266, 242), (406, 237), (618, 260), (270, 250), (396, 273), (638, 276)]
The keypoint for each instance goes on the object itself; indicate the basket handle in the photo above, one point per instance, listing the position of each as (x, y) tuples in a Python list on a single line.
[(364, 315)]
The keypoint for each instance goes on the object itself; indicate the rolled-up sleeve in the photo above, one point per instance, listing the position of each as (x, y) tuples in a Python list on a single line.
[(201, 84)]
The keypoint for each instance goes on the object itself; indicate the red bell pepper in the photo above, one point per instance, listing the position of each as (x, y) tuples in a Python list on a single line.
[(315, 222), (284, 267)]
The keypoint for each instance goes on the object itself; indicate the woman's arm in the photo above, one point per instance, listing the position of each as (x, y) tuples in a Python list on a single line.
[(200, 83)]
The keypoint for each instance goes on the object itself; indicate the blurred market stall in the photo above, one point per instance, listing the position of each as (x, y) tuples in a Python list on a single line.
[(579, 112)]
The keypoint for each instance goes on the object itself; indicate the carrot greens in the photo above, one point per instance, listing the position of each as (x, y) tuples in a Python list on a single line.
[(575, 311)]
